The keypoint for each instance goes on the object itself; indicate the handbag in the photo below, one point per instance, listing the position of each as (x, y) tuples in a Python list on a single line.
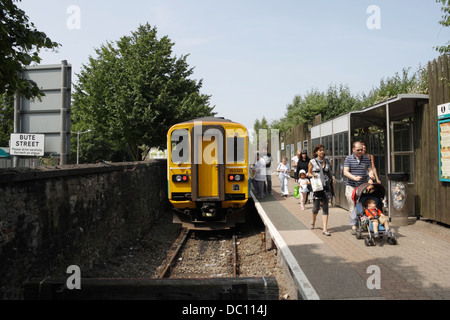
[(252, 173), (316, 184), (296, 192)]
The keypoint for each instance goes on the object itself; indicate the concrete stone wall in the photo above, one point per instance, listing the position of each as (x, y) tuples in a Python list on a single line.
[(53, 217)]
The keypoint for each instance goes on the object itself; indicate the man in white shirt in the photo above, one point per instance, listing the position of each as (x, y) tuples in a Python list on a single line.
[(260, 168), (294, 164)]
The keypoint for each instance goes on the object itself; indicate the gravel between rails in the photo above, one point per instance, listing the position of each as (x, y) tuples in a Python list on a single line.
[(145, 257)]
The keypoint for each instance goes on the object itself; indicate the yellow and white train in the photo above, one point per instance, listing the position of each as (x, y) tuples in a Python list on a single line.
[(207, 173)]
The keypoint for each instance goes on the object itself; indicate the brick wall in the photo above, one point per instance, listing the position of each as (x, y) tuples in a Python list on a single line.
[(51, 218)]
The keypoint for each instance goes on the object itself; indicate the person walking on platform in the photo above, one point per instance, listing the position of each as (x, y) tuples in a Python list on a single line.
[(303, 164), (357, 170), (319, 167), (303, 183), (260, 168), (372, 162), (267, 156), (295, 160), (283, 174)]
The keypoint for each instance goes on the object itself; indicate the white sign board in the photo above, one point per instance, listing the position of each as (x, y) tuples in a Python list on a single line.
[(51, 115), (443, 111), (27, 144)]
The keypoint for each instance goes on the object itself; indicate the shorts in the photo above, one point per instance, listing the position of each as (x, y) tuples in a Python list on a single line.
[(381, 220)]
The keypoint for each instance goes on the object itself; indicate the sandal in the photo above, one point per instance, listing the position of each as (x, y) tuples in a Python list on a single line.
[(326, 233)]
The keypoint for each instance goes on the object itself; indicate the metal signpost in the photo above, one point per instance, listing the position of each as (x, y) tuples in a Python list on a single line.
[(49, 117)]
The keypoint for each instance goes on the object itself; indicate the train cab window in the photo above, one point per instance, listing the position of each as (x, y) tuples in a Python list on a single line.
[(180, 146), (235, 149)]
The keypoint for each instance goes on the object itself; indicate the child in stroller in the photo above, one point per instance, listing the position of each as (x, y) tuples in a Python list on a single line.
[(369, 212), (376, 217)]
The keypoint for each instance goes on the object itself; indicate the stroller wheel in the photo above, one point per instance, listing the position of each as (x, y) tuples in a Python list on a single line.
[(358, 234), (369, 242), (392, 240)]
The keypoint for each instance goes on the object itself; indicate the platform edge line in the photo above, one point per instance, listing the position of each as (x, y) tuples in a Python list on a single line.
[(305, 287)]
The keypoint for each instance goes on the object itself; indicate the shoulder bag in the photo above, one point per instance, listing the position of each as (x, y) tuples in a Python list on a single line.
[(316, 182)]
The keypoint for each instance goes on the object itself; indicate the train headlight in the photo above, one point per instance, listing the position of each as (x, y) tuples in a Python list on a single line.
[(236, 177), (180, 178)]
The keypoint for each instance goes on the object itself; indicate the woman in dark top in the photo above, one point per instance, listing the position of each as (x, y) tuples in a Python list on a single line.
[(303, 164)]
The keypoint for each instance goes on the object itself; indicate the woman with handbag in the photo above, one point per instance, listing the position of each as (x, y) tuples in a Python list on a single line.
[(319, 170)]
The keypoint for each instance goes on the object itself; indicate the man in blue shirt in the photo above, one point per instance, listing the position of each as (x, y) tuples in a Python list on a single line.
[(358, 170)]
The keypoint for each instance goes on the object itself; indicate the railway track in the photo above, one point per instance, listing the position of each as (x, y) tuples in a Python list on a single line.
[(167, 264), (203, 255), (185, 276)]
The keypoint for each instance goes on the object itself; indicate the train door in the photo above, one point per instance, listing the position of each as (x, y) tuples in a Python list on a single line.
[(208, 169)]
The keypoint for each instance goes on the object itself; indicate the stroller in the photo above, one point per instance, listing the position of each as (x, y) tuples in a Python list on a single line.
[(363, 224)]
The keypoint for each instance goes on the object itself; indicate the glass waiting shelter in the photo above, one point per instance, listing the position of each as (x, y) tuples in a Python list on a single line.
[(387, 130)]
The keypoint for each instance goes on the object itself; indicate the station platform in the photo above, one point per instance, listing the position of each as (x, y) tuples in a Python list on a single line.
[(342, 267)]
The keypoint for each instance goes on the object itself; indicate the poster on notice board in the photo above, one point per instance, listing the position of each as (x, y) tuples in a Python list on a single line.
[(444, 150), (444, 141), (443, 111)]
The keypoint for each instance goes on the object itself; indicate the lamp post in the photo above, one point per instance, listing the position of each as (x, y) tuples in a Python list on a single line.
[(78, 142)]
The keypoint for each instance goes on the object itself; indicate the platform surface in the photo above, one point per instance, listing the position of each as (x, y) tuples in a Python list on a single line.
[(342, 267)]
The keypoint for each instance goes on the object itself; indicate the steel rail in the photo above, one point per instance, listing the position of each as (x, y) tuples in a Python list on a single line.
[(235, 265), (175, 254)]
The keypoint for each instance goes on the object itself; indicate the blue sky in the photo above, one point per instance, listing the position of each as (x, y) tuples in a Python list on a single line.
[(255, 56)]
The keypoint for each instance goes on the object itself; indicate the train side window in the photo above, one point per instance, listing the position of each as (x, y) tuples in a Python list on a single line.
[(235, 149), (180, 146)]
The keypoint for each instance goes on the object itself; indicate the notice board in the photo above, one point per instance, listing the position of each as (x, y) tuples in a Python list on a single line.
[(444, 150)]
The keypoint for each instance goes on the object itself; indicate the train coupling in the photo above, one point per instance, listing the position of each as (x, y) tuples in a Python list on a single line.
[(209, 210)]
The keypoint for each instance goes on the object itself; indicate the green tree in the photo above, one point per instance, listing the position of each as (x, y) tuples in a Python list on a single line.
[(134, 90), (20, 44), (263, 124), (445, 22), (405, 82), (339, 101), (6, 119), (302, 110)]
